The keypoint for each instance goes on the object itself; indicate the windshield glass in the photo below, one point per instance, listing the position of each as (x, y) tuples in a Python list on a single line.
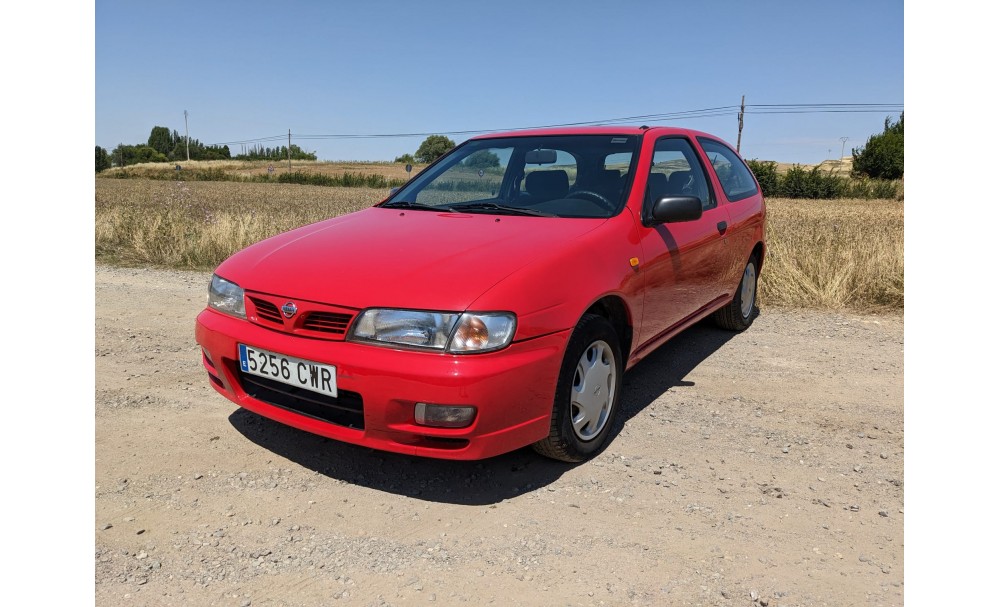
[(556, 176)]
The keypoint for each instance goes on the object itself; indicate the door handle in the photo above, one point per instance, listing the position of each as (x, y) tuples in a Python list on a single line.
[(722, 226)]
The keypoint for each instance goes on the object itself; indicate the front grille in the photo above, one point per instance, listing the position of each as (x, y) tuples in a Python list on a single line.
[(267, 310), (345, 410), (327, 322)]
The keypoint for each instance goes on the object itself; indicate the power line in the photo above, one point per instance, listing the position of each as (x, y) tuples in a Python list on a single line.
[(711, 112)]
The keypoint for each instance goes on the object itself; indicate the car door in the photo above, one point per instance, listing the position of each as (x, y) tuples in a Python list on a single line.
[(683, 260)]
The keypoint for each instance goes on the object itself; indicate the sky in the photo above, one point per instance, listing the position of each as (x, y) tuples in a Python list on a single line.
[(255, 70)]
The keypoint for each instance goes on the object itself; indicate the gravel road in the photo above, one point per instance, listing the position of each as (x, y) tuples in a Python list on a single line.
[(764, 468)]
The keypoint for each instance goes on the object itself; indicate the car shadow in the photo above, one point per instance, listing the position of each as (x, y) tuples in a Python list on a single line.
[(484, 482), (666, 368)]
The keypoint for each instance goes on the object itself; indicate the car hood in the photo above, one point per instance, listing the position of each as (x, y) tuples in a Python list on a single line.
[(391, 258)]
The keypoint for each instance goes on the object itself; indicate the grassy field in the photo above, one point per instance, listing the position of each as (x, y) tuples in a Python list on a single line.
[(248, 169), (834, 254), (831, 254)]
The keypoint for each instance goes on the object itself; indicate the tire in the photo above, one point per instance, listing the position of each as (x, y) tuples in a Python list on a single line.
[(739, 314), (588, 392)]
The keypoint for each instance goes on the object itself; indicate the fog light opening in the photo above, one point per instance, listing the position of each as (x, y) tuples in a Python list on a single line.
[(443, 416)]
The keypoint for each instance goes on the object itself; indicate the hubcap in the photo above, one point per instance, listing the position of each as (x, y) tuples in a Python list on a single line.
[(748, 290), (593, 390)]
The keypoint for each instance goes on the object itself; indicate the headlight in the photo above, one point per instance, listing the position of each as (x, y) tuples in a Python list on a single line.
[(226, 297), (451, 331)]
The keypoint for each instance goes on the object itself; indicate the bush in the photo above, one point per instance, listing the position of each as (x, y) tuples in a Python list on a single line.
[(813, 183), (766, 172), (882, 156)]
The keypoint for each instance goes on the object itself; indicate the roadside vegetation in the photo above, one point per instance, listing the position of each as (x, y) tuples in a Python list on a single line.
[(832, 254)]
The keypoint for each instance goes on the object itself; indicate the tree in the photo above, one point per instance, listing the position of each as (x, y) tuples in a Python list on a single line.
[(101, 159), (160, 140), (405, 159), (483, 159), (433, 148), (882, 156)]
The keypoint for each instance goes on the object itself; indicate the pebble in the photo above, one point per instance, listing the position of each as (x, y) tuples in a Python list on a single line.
[(753, 595), (884, 513), (784, 449), (106, 526), (198, 476), (245, 603), (884, 455)]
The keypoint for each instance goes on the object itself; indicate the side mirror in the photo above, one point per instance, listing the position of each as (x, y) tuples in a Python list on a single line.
[(671, 209)]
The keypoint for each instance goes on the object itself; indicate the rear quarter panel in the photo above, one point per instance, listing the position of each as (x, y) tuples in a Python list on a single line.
[(747, 218)]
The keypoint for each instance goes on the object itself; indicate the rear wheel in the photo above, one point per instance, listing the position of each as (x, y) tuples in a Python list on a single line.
[(740, 312), (587, 394)]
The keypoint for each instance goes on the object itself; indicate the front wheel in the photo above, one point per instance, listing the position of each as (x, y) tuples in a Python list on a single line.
[(740, 312), (587, 394)]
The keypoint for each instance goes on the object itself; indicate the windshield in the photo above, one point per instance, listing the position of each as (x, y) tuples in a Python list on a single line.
[(554, 176)]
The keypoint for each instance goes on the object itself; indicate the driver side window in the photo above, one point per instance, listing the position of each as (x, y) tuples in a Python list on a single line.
[(677, 172)]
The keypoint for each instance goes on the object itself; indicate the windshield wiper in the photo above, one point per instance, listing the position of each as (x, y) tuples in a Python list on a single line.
[(406, 204), (500, 209)]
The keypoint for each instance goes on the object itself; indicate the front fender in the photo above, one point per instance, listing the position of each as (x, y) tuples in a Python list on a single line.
[(553, 292)]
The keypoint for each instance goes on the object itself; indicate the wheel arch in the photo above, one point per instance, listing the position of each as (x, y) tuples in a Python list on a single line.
[(758, 252), (615, 310)]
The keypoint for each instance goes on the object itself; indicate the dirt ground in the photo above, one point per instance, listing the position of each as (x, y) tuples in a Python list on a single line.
[(764, 468)]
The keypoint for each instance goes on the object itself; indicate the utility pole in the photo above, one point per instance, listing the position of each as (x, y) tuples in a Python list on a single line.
[(739, 135), (843, 142), (187, 139), (289, 150)]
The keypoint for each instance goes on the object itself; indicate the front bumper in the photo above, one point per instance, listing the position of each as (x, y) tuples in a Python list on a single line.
[(512, 389)]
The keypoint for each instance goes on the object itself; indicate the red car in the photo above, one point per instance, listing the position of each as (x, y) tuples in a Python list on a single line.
[(496, 299)]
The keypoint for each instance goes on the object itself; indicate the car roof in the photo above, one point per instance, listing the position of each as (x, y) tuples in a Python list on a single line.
[(656, 131)]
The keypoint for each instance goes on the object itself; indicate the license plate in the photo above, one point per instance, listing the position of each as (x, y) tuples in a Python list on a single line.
[(289, 370)]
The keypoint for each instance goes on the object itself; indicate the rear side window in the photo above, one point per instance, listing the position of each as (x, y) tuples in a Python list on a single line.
[(735, 177)]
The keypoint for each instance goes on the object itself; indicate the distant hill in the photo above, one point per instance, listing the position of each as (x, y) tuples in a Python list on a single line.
[(840, 167)]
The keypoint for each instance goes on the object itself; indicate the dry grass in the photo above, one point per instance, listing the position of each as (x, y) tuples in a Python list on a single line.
[(250, 168), (199, 224), (833, 254)]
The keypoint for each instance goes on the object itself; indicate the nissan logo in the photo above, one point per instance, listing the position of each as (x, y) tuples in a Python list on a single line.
[(289, 310)]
